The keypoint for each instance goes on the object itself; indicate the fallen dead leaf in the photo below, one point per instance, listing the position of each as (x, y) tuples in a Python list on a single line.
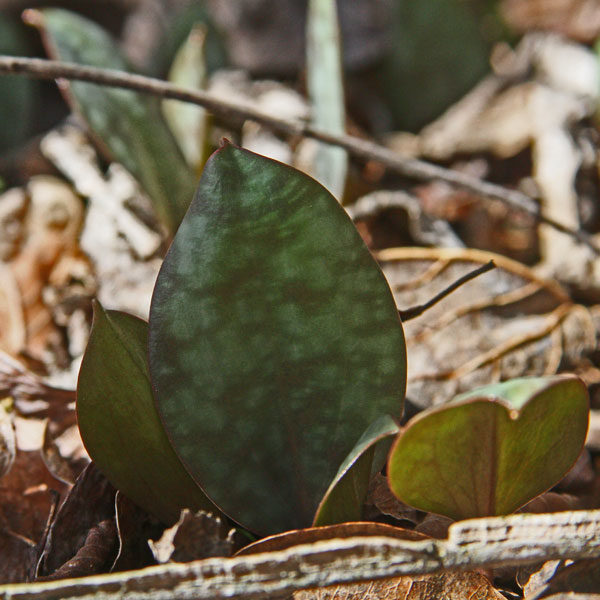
[(507, 323), (381, 499), (135, 528), (86, 511), (578, 19), (534, 578), (95, 556), (552, 502), (387, 208), (458, 586), (51, 229), (539, 91), (194, 536), (28, 494), (13, 205), (8, 442), (121, 246), (581, 577)]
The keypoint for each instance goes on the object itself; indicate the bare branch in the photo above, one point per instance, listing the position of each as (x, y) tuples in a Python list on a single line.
[(416, 169), (471, 544)]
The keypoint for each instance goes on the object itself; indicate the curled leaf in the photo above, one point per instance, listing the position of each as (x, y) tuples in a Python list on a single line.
[(344, 498)]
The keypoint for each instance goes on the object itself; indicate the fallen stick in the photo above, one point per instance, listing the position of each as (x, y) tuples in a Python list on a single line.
[(409, 167)]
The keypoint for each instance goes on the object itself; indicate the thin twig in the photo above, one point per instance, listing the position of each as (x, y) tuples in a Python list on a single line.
[(416, 169), (416, 311)]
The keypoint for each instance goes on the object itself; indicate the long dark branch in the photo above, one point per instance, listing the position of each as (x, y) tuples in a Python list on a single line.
[(417, 169)]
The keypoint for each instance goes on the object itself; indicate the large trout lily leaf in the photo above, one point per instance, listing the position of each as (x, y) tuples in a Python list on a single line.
[(274, 340)]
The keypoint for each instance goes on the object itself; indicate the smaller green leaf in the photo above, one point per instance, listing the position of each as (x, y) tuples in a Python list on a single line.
[(119, 424), (344, 499), (325, 82), (189, 123), (492, 450)]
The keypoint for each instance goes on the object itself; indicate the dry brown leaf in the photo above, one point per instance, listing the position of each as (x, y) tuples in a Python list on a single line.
[(63, 450), (552, 502), (195, 536), (13, 204), (581, 476), (28, 493), (13, 335), (398, 210), (288, 539), (90, 502), (136, 529), (435, 526), (538, 93), (581, 577), (95, 556), (534, 578), (380, 497), (51, 229), (8, 441), (578, 19), (504, 324), (121, 246), (57, 435), (457, 586)]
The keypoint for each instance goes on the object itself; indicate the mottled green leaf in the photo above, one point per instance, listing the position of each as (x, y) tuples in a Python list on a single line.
[(346, 495), (18, 95), (119, 424), (274, 340), (492, 450), (129, 124), (438, 50)]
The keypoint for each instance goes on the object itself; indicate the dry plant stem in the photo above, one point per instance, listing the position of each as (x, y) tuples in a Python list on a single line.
[(430, 274), (417, 169), (477, 543), (447, 255), (416, 311), (472, 255), (479, 305), (553, 320)]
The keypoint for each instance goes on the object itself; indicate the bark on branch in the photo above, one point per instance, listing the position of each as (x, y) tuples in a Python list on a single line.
[(476, 543)]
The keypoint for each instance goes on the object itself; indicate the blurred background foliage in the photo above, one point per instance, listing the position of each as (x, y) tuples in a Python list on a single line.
[(405, 61), (17, 94)]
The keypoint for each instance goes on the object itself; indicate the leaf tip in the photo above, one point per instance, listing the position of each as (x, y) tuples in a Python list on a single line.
[(33, 17)]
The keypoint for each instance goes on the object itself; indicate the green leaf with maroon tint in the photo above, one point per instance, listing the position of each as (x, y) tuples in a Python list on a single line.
[(492, 450), (127, 124), (274, 340), (344, 499), (119, 424)]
